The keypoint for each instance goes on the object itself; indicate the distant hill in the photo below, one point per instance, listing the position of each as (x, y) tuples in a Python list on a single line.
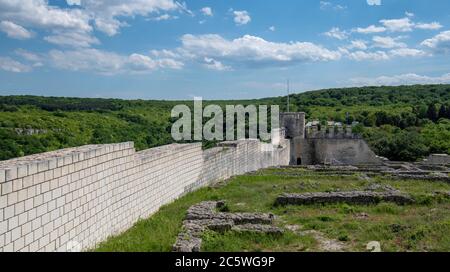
[(402, 123)]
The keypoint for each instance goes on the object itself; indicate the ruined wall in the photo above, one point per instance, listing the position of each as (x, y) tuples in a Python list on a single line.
[(438, 159), (80, 196), (335, 151)]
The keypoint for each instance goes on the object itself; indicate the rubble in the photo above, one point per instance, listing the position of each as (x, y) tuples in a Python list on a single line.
[(353, 197), (204, 216)]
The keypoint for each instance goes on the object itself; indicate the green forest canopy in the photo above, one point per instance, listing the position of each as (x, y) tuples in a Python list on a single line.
[(401, 123)]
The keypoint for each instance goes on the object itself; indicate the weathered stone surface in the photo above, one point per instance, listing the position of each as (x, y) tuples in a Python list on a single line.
[(423, 177), (207, 210), (355, 197), (258, 228), (205, 216)]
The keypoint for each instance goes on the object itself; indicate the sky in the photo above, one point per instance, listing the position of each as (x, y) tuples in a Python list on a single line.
[(218, 49)]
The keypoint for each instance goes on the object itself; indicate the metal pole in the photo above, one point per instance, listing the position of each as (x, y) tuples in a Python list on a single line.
[(288, 98)]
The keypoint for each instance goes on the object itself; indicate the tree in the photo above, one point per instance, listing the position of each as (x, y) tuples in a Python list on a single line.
[(443, 111), (432, 113)]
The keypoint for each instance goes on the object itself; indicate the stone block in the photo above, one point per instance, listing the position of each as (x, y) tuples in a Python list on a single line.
[(32, 168), (42, 166), (2, 176), (52, 163), (11, 173), (6, 188)]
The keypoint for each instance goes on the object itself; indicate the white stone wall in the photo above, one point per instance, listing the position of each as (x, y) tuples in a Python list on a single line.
[(80, 196)]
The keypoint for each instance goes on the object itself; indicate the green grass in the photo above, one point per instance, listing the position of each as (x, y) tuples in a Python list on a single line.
[(424, 226)]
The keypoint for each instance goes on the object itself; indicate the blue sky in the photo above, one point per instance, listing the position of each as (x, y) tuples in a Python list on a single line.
[(218, 49)]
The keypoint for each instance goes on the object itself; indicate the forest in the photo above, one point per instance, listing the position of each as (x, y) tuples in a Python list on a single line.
[(401, 123)]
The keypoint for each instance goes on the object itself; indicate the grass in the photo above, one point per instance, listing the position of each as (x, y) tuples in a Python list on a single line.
[(424, 226)]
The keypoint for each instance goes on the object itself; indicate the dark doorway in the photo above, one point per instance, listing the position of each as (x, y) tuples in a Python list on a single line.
[(299, 161)]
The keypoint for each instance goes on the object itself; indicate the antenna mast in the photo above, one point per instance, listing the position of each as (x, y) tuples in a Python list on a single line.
[(288, 94)]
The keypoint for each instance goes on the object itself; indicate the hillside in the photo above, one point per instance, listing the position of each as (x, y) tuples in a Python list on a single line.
[(401, 123)]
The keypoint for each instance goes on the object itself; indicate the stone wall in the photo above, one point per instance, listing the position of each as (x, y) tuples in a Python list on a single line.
[(80, 196), (438, 159), (334, 152)]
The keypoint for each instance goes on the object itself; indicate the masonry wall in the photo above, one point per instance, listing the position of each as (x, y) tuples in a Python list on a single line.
[(80, 196), (438, 159), (335, 151)]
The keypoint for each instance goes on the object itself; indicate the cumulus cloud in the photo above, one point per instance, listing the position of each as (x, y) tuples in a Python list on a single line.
[(404, 79), (358, 44), (363, 56), (38, 13), (73, 2), (253, 51), (324, 5), (106, 13), (374, 2), (336, 33), (163, 17), (398, 25), (241, 17), (429, 26), (370, 29), (72, 38), (10, 65), (207, 11), (15, 31), (387, 42), (407, 52), (272, 28), (108, 63), (439, 43), (215, 65), (35, 59)]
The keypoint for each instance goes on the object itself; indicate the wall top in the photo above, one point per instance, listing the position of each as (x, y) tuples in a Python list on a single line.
[(20, 167)]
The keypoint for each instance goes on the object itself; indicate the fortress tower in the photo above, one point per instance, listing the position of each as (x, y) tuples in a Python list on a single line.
[(323, 145)]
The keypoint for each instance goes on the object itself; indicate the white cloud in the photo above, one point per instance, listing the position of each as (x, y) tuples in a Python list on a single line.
[(398, 25), (272, 28), (404, 79), (439, 43), (108, 63), (15, 31), (253, 51), (429, 26), (207, 11), (336, 33), (370, 29), (73, 2), (72, 38), (363, 55), (215, 65), (324, 5), (374, 2), (164, 17), (107, 12), (241, 17), (387, 42), (409, 14), (37, 13), (358, 44), (10, 65), (407, 52), (35, 59)]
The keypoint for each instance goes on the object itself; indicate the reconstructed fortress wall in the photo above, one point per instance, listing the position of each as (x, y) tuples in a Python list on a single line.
[(336, 152), (80, 196)]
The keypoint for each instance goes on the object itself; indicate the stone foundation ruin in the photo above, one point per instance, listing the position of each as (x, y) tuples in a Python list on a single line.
[(355, 197), (204, 216)]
